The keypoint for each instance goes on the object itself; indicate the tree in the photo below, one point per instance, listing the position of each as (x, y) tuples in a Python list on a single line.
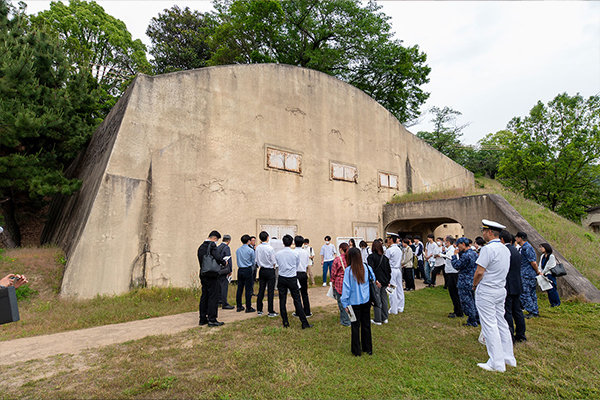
[(180, 39), (98, 41), (48, 111), (342, 38), (552, 155), (446, 133), (483, 159)]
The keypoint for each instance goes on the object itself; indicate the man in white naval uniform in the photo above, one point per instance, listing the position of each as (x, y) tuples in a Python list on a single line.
[(394, 254), (490, 292)]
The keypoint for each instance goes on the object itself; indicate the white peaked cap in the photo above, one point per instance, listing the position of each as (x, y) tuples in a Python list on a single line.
[(487, 224)]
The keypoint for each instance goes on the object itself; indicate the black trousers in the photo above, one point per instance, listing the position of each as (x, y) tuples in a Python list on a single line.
[(452, 282), (434, 272), (421, 270), (283, 285), (361, 330), (409, 277), (223, 290), (303, 279), (209, 298), (266, 279), (513, 312), (245, 281)]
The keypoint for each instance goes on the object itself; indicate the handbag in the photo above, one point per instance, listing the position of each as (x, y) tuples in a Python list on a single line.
[(9, 309), (374, 299), (558, 270), (209, 264)]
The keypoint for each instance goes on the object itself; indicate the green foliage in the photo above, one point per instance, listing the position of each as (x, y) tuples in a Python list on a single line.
[(180, 39), (446, 134), (552, 155), (25, 292), (343, 38), (48, 111), (96, 41)]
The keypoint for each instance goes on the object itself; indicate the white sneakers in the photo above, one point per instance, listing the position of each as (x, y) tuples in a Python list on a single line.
[(324, 284), (375, 323), (385, 321), (487, 367)]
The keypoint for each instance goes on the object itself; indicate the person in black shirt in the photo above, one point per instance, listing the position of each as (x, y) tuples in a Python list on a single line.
[(383, 273), (512, 304), (225, 251), (210, 282)]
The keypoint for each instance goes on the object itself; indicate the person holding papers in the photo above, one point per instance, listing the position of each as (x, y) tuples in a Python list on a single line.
[(355, 299)]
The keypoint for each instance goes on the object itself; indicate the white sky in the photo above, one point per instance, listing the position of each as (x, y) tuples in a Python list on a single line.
[(491, 61)]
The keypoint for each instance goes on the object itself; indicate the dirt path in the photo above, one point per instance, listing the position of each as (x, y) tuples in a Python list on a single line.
[(73, 342)]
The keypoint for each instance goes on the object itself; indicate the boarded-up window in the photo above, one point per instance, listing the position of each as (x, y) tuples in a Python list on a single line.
[(388, 180), (343, 172), (368, 232), (284, 160), (279, 231)]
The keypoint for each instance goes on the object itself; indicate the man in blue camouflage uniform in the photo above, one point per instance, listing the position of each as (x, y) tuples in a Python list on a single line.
[(463, 261), (529, 271)]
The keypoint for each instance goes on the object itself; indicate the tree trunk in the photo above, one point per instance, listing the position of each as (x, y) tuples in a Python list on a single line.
[(12, 232)]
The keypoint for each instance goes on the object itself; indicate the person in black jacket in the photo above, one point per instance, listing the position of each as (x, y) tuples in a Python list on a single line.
[(225, 251), (383, 273), (210, 282), (512, 304)]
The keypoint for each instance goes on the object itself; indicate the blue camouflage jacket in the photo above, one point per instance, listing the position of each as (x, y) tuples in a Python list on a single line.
[(466, 266)]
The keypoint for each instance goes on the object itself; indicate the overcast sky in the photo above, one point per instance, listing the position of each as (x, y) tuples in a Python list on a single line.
[(489, 60)]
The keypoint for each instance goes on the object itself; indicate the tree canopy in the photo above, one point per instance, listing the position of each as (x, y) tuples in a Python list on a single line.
[(48, 111), (343, 38), (97, 41), (552, 155), (446, 133)]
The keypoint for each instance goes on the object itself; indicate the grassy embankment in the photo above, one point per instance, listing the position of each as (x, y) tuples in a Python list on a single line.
[(420, 354), (580, 246)]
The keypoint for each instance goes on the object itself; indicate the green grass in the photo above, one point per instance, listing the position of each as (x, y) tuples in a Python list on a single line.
[(580, 246), (420, 354)]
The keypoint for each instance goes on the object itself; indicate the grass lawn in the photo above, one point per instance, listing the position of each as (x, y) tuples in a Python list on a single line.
[(420, 354)]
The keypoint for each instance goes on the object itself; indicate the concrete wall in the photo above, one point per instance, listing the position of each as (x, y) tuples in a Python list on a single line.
[(592, 220), (469, 211), (189, 157)]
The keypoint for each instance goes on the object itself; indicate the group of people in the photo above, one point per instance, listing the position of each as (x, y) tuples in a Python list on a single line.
[(491, 277)]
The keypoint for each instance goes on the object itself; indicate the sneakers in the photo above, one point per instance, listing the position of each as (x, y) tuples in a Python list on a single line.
[(385, 321), (250, 310), (375, 323), (260, 313), (272, 315), (309, 315), (324, 284), (488, 368), (228, 307)]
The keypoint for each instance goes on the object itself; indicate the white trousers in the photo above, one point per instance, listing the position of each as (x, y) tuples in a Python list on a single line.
[(498, 340), (396, 298)]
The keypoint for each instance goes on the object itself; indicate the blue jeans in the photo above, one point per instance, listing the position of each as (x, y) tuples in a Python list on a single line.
[(344, 318), (326, 267), (427, 273), (553, 296)]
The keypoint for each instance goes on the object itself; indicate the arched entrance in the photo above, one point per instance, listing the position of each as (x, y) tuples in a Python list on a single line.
[(440, 227)]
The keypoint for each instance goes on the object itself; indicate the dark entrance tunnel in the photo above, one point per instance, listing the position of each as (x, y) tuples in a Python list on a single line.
[(439, 226)]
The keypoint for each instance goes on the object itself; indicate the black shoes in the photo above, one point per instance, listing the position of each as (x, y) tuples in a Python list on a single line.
[(240, 309), (530, 315), (307, 326), (452, 315), (228, 307), (286, 325), (215, 323), (250, 310), (202, 323)]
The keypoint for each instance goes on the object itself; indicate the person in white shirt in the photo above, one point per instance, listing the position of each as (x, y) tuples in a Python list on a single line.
[(489, 284), (433, 253), (303, 260), (311, 256), (327, 256), (547, 262), (452, 277), (394, 254), (364, 251), (288, 262), (265, 259)]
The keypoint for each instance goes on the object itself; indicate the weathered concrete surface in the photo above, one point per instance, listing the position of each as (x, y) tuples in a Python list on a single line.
[(592, 220), (469, 211), (189, 156)]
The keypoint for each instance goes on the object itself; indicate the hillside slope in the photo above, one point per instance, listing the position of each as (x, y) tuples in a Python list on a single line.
[(580, 246)]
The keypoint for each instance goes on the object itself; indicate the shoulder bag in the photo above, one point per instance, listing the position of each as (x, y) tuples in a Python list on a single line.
[(374, 299), (209, 264), (558, 270)]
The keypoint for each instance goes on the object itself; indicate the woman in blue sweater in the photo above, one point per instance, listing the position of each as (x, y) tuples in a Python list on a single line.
[(355, 296)]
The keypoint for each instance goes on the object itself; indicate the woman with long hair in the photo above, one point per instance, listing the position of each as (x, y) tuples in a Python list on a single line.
[(355, 299), (337, 281), (383, 273), (547, 262)]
